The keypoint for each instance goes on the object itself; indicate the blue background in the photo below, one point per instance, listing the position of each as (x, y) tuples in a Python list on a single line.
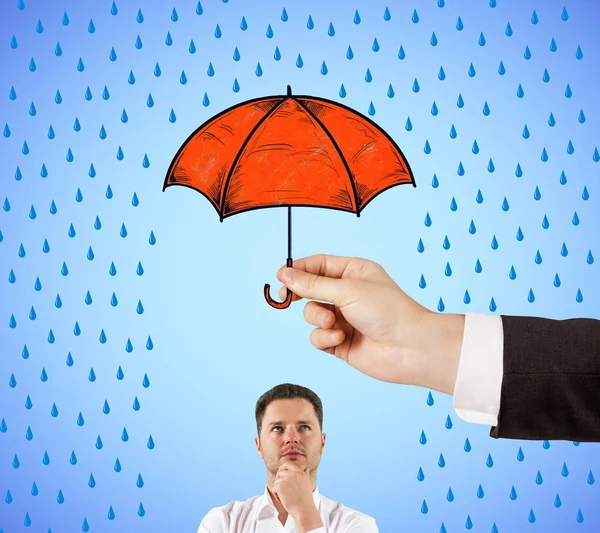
[(195, 323)]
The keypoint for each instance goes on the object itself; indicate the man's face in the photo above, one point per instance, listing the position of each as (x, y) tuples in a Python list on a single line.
[(290, 433)]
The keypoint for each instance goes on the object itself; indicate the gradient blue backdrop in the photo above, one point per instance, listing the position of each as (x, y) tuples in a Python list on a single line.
[(180, 353)]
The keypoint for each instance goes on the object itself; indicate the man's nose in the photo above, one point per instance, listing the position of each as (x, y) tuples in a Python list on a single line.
[(291, 435)]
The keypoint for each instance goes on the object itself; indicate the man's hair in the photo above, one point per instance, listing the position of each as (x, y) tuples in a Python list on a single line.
[(287, 391)]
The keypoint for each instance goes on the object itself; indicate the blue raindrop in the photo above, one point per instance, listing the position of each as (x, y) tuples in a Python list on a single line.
[(467, 446), (136, 404), (150, 443), (441, 307), (401, 53), (140, 482), (218, 33), (277, 54), (424, 508), (149, 343), (480, 492), (106, 407), (460, 102), (423, 438), (531, 296), (520, 92), (415, 17), (546, 76), (575, 219), (342, 91), (590, 478), (478, 267), (512, 274), (427, 148), (205, 100), (371, 110), (356, 17), (12, 382), (579, 296), (501, 69), (430, 400), (513, 493), (433, 41), (269, 32), (531, 516), (258, 70), (435, 182), (534, 18), (441, 461), (140, 17), (441, 74), (538, 478), (331, 30), (157, 71), (375, 46), (92, 375), (481, 40), (486, 109), (21, 251), (415, 86), (448, 270), (527, 53), (141, 511), (244, 24), (420, 247), (579, 53), (427, 220), (152, 239), (459, 24), (472, 71), (448, 423)]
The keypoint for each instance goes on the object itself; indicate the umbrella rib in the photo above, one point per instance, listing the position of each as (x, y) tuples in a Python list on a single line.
[(240, 151), (339, 151)]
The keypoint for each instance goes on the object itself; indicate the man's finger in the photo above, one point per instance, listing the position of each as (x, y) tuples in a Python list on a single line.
[(331, 266), (327, 339), (319, 314), (317, 287)]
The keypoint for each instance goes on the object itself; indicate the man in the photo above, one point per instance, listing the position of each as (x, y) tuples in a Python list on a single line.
[(527, 377), (289, 421)]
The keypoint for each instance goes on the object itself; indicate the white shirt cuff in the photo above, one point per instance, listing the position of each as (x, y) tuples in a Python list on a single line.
[(479, 377)]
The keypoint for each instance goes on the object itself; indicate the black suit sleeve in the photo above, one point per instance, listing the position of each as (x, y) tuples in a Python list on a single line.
[(551, 380)]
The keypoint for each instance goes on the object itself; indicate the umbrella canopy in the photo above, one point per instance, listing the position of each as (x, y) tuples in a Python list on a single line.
[(289, 150)]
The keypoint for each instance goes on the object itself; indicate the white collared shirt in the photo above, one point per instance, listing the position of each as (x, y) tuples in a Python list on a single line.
[(258, 515), (480, 369)]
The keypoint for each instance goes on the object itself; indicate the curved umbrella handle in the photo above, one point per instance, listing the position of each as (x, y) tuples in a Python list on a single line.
[(288, 296)]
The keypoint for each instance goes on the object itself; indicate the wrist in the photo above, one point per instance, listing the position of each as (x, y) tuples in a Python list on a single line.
[(439, 352), (307, 518)]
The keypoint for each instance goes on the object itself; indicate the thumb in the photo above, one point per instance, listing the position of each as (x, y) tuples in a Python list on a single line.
[(315, 287)]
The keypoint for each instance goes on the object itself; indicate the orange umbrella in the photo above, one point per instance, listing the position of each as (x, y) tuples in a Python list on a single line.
[(288, 150)]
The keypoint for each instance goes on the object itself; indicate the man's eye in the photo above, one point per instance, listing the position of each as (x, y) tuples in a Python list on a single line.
[(307, 427), (275, 427)]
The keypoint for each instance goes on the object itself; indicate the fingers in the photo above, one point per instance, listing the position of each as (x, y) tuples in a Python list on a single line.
[(320, 315), (331, 266), (318, 287), (327, 340)]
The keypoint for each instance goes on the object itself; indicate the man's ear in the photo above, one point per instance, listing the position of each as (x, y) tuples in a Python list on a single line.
[(323, 439), (257, 443)]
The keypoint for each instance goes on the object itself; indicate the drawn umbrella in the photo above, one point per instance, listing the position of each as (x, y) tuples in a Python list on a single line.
[(289, 151)]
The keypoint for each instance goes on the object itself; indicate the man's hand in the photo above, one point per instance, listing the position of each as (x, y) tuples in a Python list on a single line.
[(372, 324), (293, 488)]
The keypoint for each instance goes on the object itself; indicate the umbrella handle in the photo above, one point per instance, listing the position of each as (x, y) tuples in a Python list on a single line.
[(288, 296)]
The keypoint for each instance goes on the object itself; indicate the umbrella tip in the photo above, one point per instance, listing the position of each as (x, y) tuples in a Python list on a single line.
[(289, 90)]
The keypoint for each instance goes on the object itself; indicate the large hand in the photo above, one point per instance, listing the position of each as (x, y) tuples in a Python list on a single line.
[(372, 324), (293, 488)]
